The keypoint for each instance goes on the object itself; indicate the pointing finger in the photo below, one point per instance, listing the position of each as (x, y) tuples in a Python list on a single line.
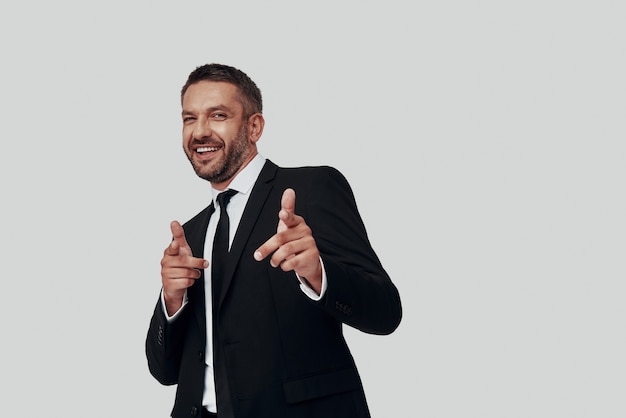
[(288, 201), (287, 209), (172, 249), (179, 243), (286, 220)]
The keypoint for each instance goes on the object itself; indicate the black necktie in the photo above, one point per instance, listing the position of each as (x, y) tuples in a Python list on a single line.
[(220, 245), (218, 262)]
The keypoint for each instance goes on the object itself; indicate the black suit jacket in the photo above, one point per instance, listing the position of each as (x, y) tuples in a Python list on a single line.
[(279, 353)]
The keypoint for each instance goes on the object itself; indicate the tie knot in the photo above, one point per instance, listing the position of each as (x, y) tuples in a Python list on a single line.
[(224, 197)]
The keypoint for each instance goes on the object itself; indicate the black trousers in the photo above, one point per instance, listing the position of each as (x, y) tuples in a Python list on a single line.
[(207, 414)]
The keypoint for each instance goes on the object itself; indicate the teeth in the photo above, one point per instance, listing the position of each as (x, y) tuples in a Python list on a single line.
[(207, 149)]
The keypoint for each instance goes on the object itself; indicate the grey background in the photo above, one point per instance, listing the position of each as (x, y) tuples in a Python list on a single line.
[(483, 140)]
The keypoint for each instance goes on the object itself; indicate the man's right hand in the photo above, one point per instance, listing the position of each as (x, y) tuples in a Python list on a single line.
[(179, 269)]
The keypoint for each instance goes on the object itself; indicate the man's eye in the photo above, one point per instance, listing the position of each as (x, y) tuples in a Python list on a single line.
[(188, 119), (219, 116)]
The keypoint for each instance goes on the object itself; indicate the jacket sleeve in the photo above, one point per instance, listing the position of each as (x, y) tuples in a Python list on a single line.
[(360, 293), (164, 345)]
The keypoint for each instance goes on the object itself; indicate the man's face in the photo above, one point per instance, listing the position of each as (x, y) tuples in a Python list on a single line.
[(215, 133)]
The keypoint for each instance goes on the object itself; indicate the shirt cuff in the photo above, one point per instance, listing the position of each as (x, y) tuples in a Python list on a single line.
[(304, 286), (177, 313)]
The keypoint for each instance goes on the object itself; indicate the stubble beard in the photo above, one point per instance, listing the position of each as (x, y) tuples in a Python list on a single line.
[(226, 168)]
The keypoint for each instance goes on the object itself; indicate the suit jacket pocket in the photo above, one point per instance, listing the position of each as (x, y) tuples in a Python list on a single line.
[(320, 385)]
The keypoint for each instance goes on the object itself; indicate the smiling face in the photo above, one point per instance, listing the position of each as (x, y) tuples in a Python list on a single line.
[(219, 139)]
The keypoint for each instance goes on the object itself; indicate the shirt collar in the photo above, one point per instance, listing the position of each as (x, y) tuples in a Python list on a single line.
[(244, 181)]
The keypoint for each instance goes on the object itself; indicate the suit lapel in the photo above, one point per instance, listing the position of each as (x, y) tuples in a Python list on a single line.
[(251, 213)]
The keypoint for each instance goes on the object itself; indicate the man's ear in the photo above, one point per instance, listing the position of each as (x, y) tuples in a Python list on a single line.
[(256, 123)]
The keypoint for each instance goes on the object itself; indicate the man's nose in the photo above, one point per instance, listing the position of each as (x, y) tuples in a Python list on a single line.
[(202, 129)]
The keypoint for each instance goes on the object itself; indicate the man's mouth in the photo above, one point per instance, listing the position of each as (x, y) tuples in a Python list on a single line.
[(201, 150)]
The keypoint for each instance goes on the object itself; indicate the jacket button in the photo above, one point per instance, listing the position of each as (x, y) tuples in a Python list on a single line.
[(194, 411), (200, 355)]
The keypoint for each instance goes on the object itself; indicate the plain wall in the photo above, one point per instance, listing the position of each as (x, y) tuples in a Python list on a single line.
[(484, 142)]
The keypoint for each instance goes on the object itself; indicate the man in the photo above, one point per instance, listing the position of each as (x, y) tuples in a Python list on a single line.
[(257, 331)]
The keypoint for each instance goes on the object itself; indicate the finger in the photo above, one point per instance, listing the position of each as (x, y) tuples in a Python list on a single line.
[(172, 249), (175, 273), (180, 249), (293, 241), (290, 262), (287, 205), (184, 262), (288, 201), (291, 249), (267, 247), (175, 285), (178, 234), (287, 219), (280, 256), (287, 209)]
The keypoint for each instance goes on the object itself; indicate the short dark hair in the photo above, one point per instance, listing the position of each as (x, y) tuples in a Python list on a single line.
[(250, 95)]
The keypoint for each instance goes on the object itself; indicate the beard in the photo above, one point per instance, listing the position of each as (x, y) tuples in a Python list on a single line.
[(236, 154)]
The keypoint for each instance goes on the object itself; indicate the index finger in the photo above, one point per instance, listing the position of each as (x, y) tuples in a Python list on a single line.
[(179, 240), (287, 208), (286, 218), (288, 201)]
